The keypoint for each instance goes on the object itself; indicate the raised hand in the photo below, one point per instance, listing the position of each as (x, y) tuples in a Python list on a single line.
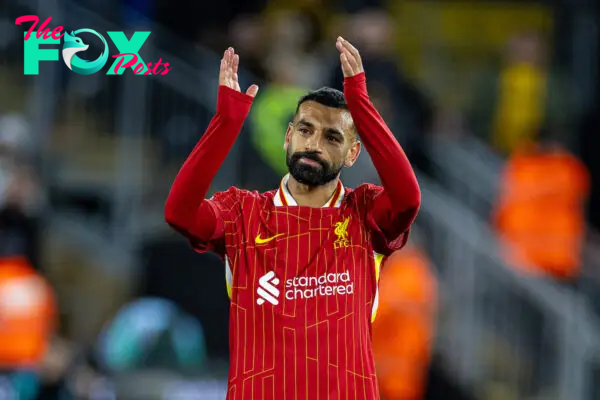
[(349, 57), (228, 74)]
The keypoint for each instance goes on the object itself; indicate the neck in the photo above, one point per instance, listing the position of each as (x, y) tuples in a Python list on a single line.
[(311, 196)]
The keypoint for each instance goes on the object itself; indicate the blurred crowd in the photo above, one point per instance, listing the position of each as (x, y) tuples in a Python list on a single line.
[(520, 104)]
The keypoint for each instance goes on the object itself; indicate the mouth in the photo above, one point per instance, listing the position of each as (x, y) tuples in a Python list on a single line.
[(309, 161)]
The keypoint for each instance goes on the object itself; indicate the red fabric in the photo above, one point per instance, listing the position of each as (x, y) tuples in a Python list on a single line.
[(313, 342), (401, 197), (185, 209), (307, 338), (392, 210)]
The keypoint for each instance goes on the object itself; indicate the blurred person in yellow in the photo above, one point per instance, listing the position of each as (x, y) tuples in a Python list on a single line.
[(27, 323), (541, 208), (404, 329), (513, 102)]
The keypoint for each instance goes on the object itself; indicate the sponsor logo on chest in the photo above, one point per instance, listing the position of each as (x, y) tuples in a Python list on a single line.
[(304, 287), (307, 287)]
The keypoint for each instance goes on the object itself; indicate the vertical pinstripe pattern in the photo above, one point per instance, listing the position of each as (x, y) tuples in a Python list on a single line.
[(314, 341)]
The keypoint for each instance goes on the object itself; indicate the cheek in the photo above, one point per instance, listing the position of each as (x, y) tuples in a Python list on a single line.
[(348, 157), (289, 145), (296, 143), (291, 142), (335, 156)]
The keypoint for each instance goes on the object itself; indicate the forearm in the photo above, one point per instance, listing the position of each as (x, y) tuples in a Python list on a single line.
[(186, 208), (390, 161)]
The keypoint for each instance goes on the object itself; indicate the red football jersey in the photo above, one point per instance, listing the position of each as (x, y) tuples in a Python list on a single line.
[(303, 288)]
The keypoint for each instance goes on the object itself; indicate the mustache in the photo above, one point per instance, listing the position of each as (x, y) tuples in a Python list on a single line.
[(311, 155)]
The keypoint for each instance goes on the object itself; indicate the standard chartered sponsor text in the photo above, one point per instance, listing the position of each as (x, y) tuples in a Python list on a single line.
[(331, 284)]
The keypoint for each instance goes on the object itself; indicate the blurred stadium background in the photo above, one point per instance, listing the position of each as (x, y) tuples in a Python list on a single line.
[(497, 295)]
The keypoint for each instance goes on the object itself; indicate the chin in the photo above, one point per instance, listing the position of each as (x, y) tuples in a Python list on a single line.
[(306, 178)]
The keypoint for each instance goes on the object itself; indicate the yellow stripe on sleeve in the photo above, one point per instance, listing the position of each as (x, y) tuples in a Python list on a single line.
[(378, 258)]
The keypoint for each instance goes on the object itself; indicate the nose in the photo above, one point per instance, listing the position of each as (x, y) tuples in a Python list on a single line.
[(313, 144)]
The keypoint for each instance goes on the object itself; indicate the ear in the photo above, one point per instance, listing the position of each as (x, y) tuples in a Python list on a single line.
[(353, 154), (288, 136)]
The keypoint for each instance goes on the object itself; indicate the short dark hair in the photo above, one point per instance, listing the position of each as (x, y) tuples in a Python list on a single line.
[(326, 96)]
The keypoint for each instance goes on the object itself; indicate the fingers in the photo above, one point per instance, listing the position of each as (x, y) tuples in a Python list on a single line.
[(349, 57), (234, 70), (346, 69), (228, 70), (225, 70), (229, 56), (350, 48), (235, 84), (222, 71), (235, 62), (252, 90)]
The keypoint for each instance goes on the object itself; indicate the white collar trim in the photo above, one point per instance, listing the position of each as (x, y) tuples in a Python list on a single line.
[(283, 197)]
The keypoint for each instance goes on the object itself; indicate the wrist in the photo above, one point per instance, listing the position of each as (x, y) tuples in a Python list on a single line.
[(355, 87), (356, 80), (233, 104)]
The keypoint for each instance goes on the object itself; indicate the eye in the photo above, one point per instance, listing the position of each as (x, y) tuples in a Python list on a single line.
[(333, 139), (304, 131)]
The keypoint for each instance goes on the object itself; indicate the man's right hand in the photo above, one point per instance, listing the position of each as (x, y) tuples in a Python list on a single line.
[(228, 75)]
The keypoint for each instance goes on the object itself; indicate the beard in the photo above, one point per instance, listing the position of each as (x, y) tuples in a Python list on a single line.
[(311, 175)]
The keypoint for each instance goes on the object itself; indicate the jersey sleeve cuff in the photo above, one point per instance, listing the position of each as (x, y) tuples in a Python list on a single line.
[(232, 103), (356, 81)]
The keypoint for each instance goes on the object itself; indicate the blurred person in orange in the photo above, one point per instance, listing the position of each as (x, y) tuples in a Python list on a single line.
[(404, 329), (541, 208), (513, 101), (27, 323), (27, 313)]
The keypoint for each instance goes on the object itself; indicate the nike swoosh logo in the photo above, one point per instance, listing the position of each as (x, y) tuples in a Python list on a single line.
[(259, 240)]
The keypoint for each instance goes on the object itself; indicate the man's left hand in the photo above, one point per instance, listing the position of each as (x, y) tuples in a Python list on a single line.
[(349, 57)]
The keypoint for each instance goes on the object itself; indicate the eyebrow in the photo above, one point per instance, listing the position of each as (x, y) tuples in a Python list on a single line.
[(329, 130)]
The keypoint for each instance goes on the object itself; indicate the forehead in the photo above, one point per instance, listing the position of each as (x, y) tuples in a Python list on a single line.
[(324, 117)]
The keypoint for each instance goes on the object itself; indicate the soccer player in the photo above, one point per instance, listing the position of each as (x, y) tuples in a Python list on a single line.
[(301, 261)]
